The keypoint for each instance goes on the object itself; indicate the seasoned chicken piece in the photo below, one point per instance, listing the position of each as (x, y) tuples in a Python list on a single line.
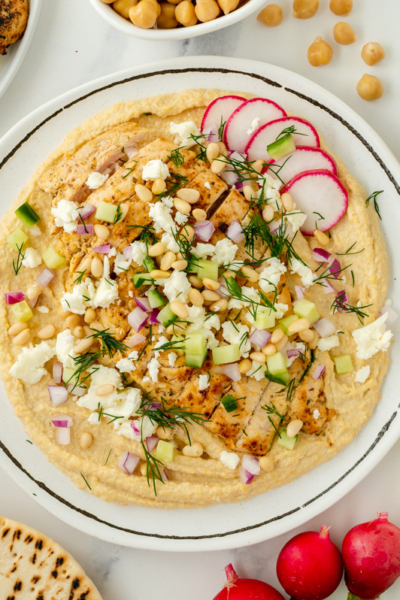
[(309, 404), (204, 401), (13, 20), (209, 194), (170, 379)]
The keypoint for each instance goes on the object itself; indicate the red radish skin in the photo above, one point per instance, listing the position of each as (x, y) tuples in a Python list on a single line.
[(240, 121), (257, 146), (246, 589), (304, 158), (219, 112), (318, 192), (371, 555), (310, 566)]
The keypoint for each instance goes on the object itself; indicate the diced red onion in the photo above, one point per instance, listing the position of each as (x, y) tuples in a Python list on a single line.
[(327, 287), (151, 443), (341, 299), (14, 297), (135, 340), (127, 252), (58, 394), (57, 372), (62, 421), (204, 230), (153, 320), (235, 232), (293, 353), (245, 476), (210, 134), (251, 464), (63, 436), (137, 319), (222, 290), (335, 268), (320, 255), (45, 277), (143, 303), (103, 249), (128, 463), (33, 301), (85, 229), (299, 291), (230, 177), (232, 371), (76, 390), (35, 231), (392, 315), (260, 337), (164, 475), (155, 406), (135, 428), (319, 371), (240, 185), (273, 226), (85, 211), (324, 327)]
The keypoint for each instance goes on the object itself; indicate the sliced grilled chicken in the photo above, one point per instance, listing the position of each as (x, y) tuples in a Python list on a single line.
[(13, 21), (204, 401), (309, 405)]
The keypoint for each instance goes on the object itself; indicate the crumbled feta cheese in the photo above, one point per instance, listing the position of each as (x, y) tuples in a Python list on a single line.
[(207, 185), (65, 215), (316, 414), (112, 252), (280, 310), (31, 258), (199, 324), (153, 368), (271, 190), (225, 251), (161, 215), (247, 292), (372, 338), (120, 264), (130, 294), (172, 358), (203, 250), (307, 276), (161, 341), (181, 218), (168, 201), (76, 301), (296, 218), (362, 374), (169, 242), (182, 132), (254, 125), (236, 333), (271, 274), (96, 180), (146, 427), (155, 169), (325, 344), (94, 419), (204, 382), (257, 370), (43, 309), (126, 365), (296, 346), (229, 459), (139, 252), (30, 363), (177, 287), (107, 290), (65, 345)]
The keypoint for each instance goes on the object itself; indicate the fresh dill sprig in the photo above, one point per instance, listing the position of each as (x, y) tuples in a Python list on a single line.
[(177, 157), (84, 224), (202, 155), (118, 214), (374, 197), (171, 345), (339, 304), (130, 170), (327, 274), (308, 367), (108, 456), (147, 235), (348, 251), (81, 274), (176, 181), (20, 257), (292, 129), (85, 480), (109, 344), (272, 410), (221, 129)]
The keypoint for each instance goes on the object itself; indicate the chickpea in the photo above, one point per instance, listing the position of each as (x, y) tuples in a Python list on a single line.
[(305, 9), (157, 6), (185, 14), (319, 53), (166, 20), (228, 5), (206, 10), (372, 53), (369, 87), (341, 7), (107, 1), (143, 15), (271, 15), (344, 34), (123, 6)]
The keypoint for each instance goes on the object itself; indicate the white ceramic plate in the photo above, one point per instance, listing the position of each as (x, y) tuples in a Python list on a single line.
[(280, 510), (11, 62)]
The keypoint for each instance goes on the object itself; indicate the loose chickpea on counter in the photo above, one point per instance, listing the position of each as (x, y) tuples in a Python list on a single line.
[(305, 9), (369, 87), (344, 34), (341, 7), (372, 53), (319, 53), (271, 15)]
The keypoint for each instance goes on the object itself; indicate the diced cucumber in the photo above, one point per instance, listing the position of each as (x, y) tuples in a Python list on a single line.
[(17, 238), (68, 376), (196, 361), (148, 264), (22, 311), (284, 323), (265, 319), (277, 365), (53, 259), (195, 343), (306, 310), (140, 279), (280, 148), (222, 355), (179, 347), (343, 363), (192, 266), (165, 451), (106, 212), (207, 269), (155, 299), (287, 442), (229, 403), (27, 215), (166, 316)]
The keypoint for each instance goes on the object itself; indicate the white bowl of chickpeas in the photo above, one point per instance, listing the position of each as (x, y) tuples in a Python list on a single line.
[(173, 19)]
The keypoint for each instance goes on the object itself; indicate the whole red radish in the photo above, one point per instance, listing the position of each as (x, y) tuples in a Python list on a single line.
[(371, 555), (246, 589), (310, 566)]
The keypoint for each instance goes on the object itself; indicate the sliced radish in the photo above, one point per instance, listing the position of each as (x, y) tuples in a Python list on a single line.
[(258, 111), (257, 145), (318, 192), (302, 159), (219, 112)]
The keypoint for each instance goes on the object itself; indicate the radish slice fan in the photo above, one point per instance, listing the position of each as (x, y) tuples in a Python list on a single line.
[(128, 463), (58, 394), (217, 113), (301, 160)]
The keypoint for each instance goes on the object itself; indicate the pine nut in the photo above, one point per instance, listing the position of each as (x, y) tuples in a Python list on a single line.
[(294, 427), (179, 309), (17, 328), (78, 332), (164, 433), (167, 260), (189, 195), (159, 186), (266, 463), (90, 315), (179, 265), (196, 298), (33, 291), (87, 331), (95, 326), (101, 231), (47, 332), (183, 206), (268, 213), (218, 165), (282, 343), (124, 208), (258, 357), (157, 274), (219, 306), (157, 249), (245, 365), (210, 296), (228, 274), (86, 440), (143, 470), (143, 193), (276, 336), (73, 321), (188, 232), (223, 148), (96, 267), (83, 345), (258, 165), (321, 237), (210, 284), (85, 264), (307, 335), (22, 337), (269, 349), (248, 192), (63, 313), (299, 325), (287, 201), (105, 390), (194, 451), (175, 328), (195, 281), (212, 152), (313, 343), (199, 214), (251, 274)]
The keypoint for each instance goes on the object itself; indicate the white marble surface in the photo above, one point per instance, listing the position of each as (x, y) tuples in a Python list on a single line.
[(72, 45)]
